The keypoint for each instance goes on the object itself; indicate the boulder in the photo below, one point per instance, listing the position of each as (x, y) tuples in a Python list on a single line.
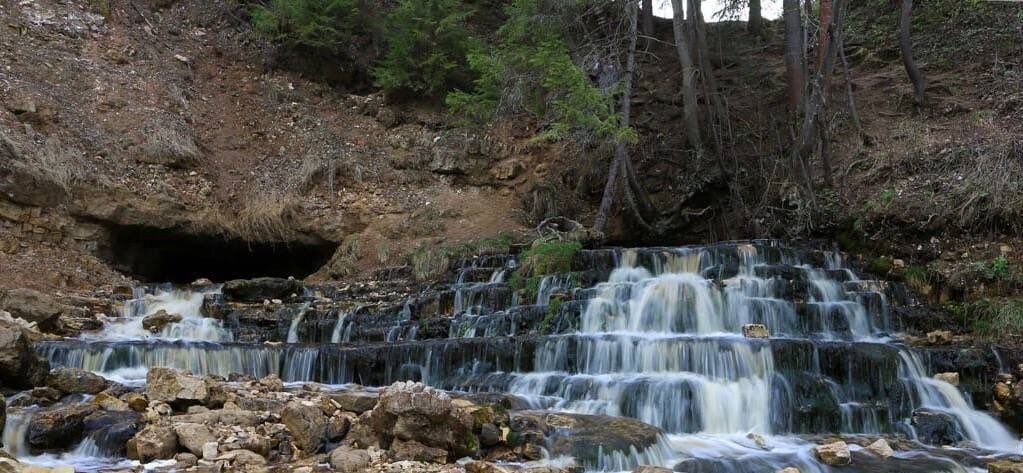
[(413, 411), (153, 443), (414, 451), (156, 322), (651, 469), (58, 428), (346, 459), (20, 367), (484, 467), (239, 458), (33, 306), (1005, 466), (136, 402), (175, 387), (581, 436), (193, 437), (210, 450), (112, 429), (939, 337), (834, 454), (950, 378), (307, 424), (260, 289), (76, 381), (355, 401), (3, 419), (755, 331), (881, 448), (108, 402), (936, 427)]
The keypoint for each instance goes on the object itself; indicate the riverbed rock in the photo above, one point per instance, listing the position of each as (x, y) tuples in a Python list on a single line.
[(651, 469), (346, 459), (788, 470), (153, 443), (355, 401), (193, 437), (755, 331), (950, 378), (58, 428), (936, 427), (1005, 466), (939, 337), (881, 448), (307, 424), (581, 436), (415, 451), (112, 429), (413, 411), (834, 453), (20, 367), (241, 458), (156, 322), (76, 381), (32, 306), (3, 419), (260, 289), (175, 387)]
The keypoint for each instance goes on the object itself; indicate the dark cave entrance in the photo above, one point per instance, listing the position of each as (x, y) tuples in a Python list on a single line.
[(168, 255)]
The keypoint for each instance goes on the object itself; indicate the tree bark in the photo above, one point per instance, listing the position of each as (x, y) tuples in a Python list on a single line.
[(755, 22), (690, 107), (621, 147), (906, 46), (793, 55), (648, 18), (823, 36), (815, 107)]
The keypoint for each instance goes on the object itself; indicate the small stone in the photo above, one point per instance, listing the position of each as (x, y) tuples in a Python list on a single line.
[(881, 448), (834, 454), (950, 378), (899, 263), (939, 336), (757, 439), (755, 331), (788, 470), (181, 58)]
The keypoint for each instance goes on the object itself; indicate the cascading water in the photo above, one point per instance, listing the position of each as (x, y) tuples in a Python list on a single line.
[(658, 337), (187, 305), (297, 321)]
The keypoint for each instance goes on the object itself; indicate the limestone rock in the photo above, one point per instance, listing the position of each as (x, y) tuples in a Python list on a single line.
[(345, 459), (881, 448), (834, 454), (1005, 466), (137, 402), (413, 411), (33, 306), (355, 401), (154, 443), (307, 424), (651, 469), (950, 378), (755, 331), (58, 428), (579, 435), (76, 381), (20, 367), (156, 322), (239, 458), (108, 402), (209, 450), (175, 387), (939, 337), (935, 427), (112, 429), (193, 437), (484, 467), (415, 451)]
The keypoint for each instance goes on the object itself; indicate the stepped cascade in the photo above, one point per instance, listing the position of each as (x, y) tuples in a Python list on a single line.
[(654, 334)]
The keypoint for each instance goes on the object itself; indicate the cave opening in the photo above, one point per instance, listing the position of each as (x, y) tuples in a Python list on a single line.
[(168, 255)]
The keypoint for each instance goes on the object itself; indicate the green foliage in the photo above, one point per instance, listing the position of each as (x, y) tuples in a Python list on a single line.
[(427, 43), (888, 196), (553, 308), (995, 318), (526, 286), (101, 7), (429, 262), (879, 266), (327, 26), (996, 269), (531, 71), (549, 258)]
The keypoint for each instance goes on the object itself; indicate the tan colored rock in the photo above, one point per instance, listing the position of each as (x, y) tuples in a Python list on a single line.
[(757, 439), (137, 402), (154, 443), (939, 336), (950, 378), (484, 467), (307, 424), (175, 387), (788, 470), (346, 459), (755, 331), (881, 448), (1005, 466), (194, 437), (109, 403), (834, 454), (651, 469), (415, 451), (242, 458)]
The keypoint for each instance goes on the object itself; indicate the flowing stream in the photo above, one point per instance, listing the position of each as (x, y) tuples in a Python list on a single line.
[(655, 334)]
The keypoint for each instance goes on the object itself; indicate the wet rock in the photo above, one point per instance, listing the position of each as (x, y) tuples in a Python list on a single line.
[(112, 430), (581, 436), (156, 322), (834, 454), (136, 402), (788, 470), (346, 459), (755, 331), (153, 443), (20, 367), (76, 381), (260, 289), (950, 378), (337, 428), (185, 460), (1005, 466), (415, 451), (193, 436), (881, 448), (650, 469), (490, 435), (307, 424), (935, 427), (108, 402), (355, 401), (175, 387), (413, 411), (58, 428)]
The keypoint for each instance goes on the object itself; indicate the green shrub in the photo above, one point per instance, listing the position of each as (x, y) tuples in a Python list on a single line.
[(998, 268), (995, 318), (427, 42), (327, 26), (531, 71), (549, 258)]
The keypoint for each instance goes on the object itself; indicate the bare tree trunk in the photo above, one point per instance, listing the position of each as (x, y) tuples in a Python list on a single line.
[(690, 107), (621, 147), (648, 18), (840, 38), (755, 22), (823, 36), (816, 106), (906, 45), (793, 54)]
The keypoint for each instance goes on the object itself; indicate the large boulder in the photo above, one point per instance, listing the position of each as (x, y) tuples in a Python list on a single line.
[(355, 401), (346, 459), (260, 289), (1005, 466), (58, 428), (413, 411), (936, 427), (414, 451), (581, 436), (175, 387), (76, 381), (153, 443), (155, 323), (20, 367), (834, 453), (112, 429), (32, 306), (193, 437), (307, 424)]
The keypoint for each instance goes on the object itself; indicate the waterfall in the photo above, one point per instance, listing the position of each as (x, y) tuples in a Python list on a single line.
[(193, 326), (339, 334), (296, 321), (16, 432)]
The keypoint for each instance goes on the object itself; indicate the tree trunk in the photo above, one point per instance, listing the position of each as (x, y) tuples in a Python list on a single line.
[(621, 147), (648, 18), (793, 54), (755, 23), (823, 36), (906, 45), (690, 107), (816, 106)]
